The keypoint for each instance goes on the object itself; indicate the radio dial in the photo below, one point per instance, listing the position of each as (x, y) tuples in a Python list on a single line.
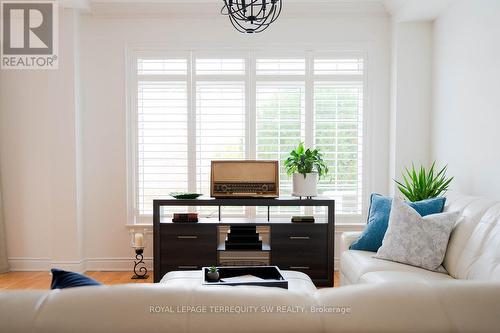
[(265, 188), (223, 188)]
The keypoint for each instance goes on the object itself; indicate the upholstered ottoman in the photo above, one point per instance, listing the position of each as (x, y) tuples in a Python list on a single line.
[(298, 282)]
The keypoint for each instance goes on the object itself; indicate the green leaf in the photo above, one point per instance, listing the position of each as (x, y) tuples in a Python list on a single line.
[(423, 184), (303, 161)]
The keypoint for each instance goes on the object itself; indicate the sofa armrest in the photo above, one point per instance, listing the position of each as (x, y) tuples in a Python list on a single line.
[(347, 239)]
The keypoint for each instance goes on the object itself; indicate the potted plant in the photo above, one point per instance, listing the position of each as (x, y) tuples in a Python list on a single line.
[(213, 274), (422, 184), (306, 166)]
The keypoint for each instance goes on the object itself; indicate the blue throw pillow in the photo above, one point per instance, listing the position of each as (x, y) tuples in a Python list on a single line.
[(378, 219), (63, 279)]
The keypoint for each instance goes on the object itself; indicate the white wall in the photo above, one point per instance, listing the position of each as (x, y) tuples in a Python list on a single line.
[(466, 115), (411, 102), (63, 133), (38, 165)]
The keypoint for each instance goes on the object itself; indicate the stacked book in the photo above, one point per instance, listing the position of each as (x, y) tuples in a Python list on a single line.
[(303, 219), (185, 217)]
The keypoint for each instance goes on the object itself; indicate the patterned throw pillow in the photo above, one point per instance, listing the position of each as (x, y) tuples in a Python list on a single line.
[(378, 219), (415, 240)]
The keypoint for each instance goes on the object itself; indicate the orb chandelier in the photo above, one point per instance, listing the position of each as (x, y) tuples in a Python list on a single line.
[(252, 16)]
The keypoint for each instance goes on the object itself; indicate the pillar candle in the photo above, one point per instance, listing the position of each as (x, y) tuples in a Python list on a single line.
[(139, 240)]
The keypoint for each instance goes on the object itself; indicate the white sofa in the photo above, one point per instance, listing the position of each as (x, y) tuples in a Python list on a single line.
[(454, 306), (473, 252), (413, 300)]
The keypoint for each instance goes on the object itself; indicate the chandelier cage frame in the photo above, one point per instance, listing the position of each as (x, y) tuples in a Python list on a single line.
[(252, 16)]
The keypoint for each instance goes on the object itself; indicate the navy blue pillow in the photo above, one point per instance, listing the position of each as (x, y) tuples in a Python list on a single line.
[(378, 219), (63, 279)]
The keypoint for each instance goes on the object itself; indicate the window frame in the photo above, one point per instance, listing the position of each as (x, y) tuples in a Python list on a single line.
[(250, 78)]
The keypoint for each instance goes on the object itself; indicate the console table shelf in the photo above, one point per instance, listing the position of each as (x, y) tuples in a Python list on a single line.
[(306, 247)]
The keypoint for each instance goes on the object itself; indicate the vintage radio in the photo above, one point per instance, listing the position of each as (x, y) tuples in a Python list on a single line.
[(244, 179)]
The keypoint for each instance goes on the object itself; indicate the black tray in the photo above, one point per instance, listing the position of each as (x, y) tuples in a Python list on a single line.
[(271, 275)]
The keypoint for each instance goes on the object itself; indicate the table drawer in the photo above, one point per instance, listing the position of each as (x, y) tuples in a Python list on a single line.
[(313, 270), (300, 247), (290, 233), (299, 240), (188, 245)]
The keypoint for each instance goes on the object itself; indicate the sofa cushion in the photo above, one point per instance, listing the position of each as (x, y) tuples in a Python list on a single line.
[(396, 276), (480, 256), (357, 263), (132, 308), (454, 306), (378, 219), (415, 240), (466, 241)]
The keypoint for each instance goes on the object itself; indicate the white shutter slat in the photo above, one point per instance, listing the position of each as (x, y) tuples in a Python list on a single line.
[(338, 111), (340, 66), (162, 66), (220, 130), (281, 66), (220, 66), (280, 108), (161, 164)]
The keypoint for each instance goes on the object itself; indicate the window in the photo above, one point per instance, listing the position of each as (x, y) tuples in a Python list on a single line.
[(192, 109)]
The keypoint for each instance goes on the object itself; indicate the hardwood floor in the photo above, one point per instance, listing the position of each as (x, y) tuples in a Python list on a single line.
[(41, 280)]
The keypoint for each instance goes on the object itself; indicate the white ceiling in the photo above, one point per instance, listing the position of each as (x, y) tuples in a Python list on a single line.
[(411, 10), (401, 10)]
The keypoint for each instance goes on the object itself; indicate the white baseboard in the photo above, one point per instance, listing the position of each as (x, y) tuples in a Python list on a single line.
[(111, 264), (116, 264), (74, 266), (336, 264), (29, 264), (90, 264), (44, 264)]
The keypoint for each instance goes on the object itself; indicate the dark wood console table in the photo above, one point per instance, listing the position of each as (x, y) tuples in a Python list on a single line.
[(305, 247)]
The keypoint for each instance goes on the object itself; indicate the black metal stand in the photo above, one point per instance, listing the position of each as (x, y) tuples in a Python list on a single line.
[(142, 272)]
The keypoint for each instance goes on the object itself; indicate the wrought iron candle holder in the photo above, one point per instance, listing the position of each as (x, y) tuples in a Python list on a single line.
[(138, 244), (140, 270)]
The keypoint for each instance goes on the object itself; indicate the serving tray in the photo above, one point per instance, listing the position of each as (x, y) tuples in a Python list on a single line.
[(269, 276)]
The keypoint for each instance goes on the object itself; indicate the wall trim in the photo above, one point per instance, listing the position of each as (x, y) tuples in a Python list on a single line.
[(336, 264), (21, 264), (89, 264), (183, 9), (29, 264), (118, 264)]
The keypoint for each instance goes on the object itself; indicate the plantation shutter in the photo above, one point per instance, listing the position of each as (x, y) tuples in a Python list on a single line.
[(162, 141), (338, 130), (220, 126), (280, 114), (192, 109), (280, 123)]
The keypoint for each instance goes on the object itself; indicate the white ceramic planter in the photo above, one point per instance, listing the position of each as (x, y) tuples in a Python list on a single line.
[(305, 186)]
